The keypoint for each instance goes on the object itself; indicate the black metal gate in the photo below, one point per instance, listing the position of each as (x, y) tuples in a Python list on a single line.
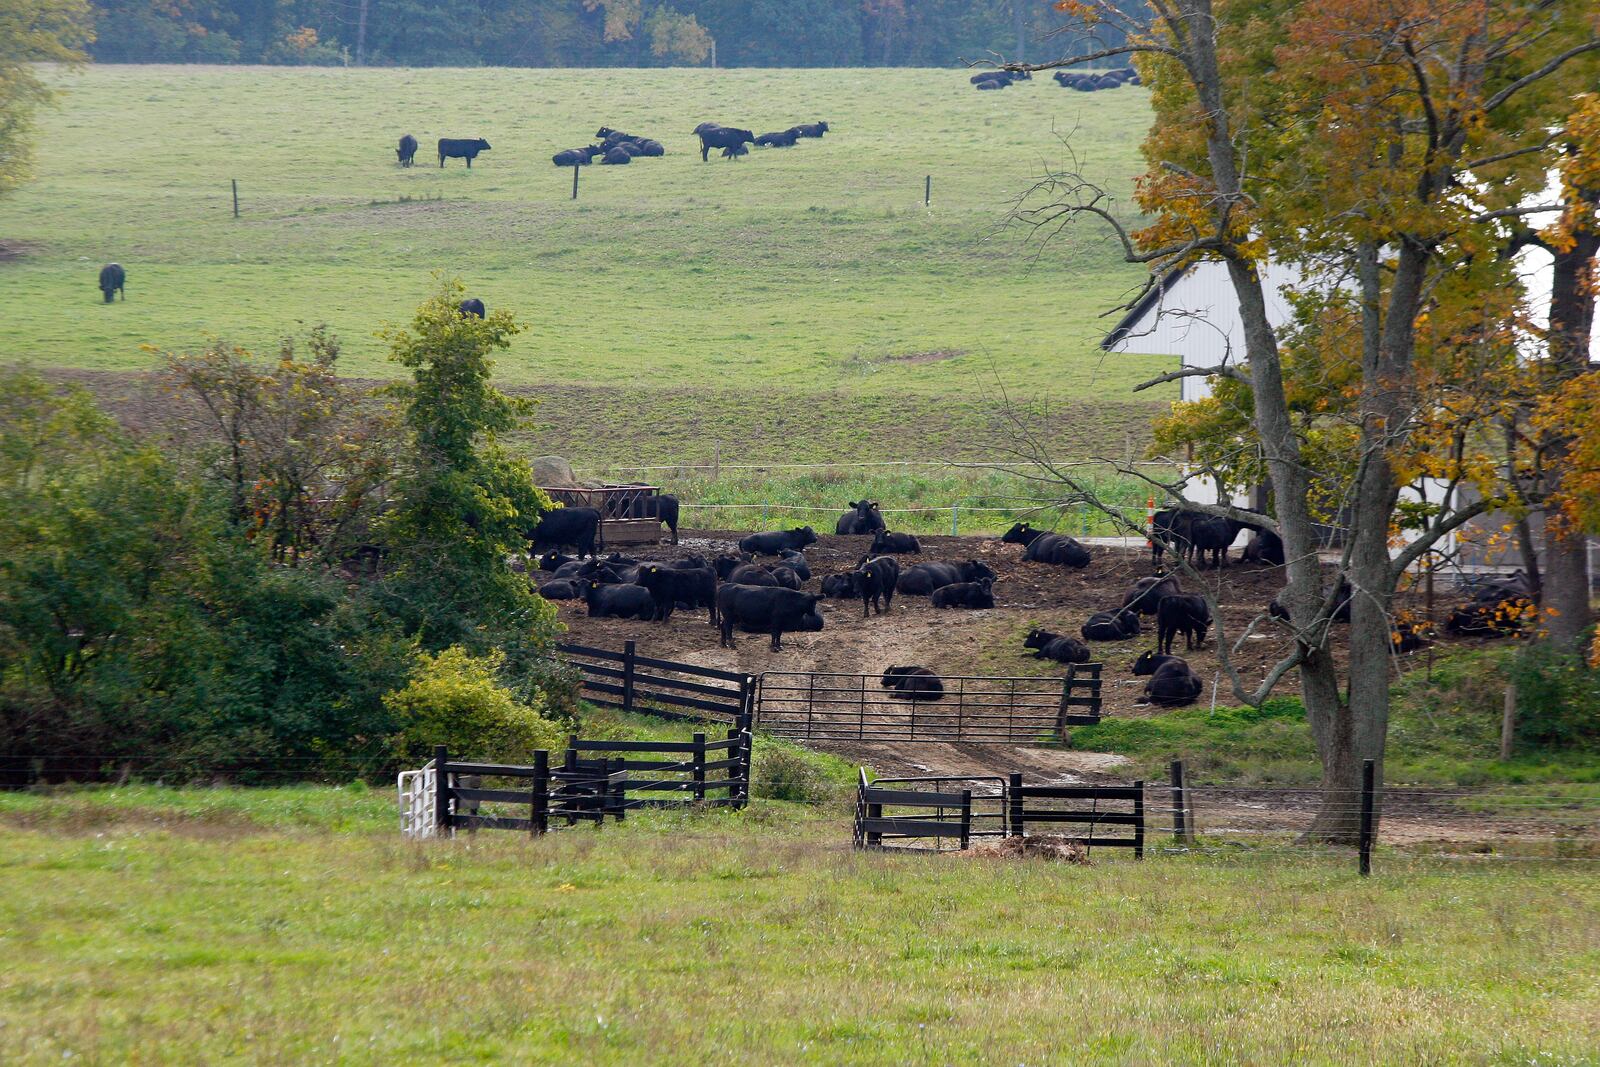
[(815, 706)]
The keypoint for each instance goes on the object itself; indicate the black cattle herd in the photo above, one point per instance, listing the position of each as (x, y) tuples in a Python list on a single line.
[(1083, 81), (761, 589)]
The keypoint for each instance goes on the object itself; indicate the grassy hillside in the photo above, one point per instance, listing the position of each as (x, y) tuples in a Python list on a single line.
[(149, 926), (703, 289)]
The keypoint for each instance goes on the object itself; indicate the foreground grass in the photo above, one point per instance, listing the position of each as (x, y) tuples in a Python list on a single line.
[(760, 935)]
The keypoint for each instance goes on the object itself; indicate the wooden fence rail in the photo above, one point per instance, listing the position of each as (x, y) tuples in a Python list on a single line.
[(659, 687)]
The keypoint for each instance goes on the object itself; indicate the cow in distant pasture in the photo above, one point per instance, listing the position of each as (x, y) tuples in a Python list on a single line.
[(112, 277), (723, 137), (472, 307), (466, 148), (407, 152)]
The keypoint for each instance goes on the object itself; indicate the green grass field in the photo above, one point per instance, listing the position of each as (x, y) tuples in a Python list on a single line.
[(159, 926), (798, 301)]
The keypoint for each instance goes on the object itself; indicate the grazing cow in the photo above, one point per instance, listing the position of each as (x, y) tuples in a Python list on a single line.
[(922, 579), (112, 277), (407, 152), (473, 307), (1111, 626), (579, 527), (663, 507), (1173, 683), (979, 594), (765, 611), (842, 586), (670, 586), (1056, 647), (1189, 615), (774, 542), (913, 683), (879, 577), (1147, 593), (781, 139), (618, 601), (552, 560), (561, 589), (885, 542), (723, 137), (1058, 549), (809, 129), (1265, 547), (795, 561), (864, 519), (466, 148)]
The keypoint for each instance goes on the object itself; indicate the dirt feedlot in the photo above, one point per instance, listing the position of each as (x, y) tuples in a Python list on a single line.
[(954, 641)]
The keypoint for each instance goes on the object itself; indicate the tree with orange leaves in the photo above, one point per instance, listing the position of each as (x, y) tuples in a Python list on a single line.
[(1392, 148)]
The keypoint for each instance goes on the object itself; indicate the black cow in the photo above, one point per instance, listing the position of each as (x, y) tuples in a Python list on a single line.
[(1407, 637), (1265, 547), (879, 578), (670, 586), (842, 586), (795, 561), (407, 152), (979, 594), (781, 139), (864, 519), (913, 683), (561, 589), (579, 527), (466, 148), (1172, 682), (750, 574), (1147, 593), (724, 137), (993, 83), (650, 147), (1058, 549), (773, 543), (1020, 534), (883, 541), (473, 307), (618, 601), (765, 611), (1191, 535), (552, 560), (618, 156), (112, 276), (1056, 647), (662, 507), (1111, 626), (576, 157), (922, 579), (1189, 615), (809, 129), (734, 151)]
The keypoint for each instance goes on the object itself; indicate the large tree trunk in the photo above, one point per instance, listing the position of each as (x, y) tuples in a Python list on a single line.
[(1566, 570)]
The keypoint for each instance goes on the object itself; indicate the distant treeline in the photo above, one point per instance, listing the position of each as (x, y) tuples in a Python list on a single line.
[(577, 33)]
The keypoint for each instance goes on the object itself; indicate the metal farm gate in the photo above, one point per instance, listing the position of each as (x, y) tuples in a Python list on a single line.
[(813, 706)]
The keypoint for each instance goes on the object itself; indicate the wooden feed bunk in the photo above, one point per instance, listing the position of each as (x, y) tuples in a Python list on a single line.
[(618, 504)]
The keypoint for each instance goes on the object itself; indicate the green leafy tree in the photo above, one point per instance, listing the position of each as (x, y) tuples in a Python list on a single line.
[(463, 507), (32, 32), (456, 699)]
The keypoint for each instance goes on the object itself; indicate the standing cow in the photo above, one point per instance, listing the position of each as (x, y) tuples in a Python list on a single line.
[(466, 148), (111, 278), (407, 152)]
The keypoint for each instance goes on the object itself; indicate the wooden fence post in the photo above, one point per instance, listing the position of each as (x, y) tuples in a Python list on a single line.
[(874, 838), (1014, 826), (735, 753), (1368, 787), (615, 793), (235, 197), (927, 190), (574, 181), (627, 675), (699, 767), (1138, 824), (966, 818), (570, 766), (540, 816), (441, 791), (1180, 811)]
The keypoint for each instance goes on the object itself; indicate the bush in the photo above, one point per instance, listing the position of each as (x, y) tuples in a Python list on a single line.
[(455, 699), (1558, 697), (783, 771)]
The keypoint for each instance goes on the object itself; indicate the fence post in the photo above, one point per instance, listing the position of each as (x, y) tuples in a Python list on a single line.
[(574, 181), (699, 772), (927, 190), (616, 794), (874, 837), (735, 753), (1138, 824), (1368, 783), (570, 766), (1061, 713), (1014, 802), (540, 816), (235, 197), (441, 791), (955, 520), (966, 818), (1180, 810), (627, 675)]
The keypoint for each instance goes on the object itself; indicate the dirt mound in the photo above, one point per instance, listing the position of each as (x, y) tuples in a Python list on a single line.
[(1044, 846)]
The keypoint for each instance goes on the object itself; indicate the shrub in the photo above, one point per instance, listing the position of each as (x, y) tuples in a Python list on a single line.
[(456, 699), (783, 771)]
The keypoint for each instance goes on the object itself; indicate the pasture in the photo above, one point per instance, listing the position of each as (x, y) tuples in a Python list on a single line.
[(797, 302), (154, 925)]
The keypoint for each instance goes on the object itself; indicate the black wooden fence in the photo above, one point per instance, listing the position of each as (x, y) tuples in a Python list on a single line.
[(1035, 804), (664, 688), (693, 770), (812, 706)]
